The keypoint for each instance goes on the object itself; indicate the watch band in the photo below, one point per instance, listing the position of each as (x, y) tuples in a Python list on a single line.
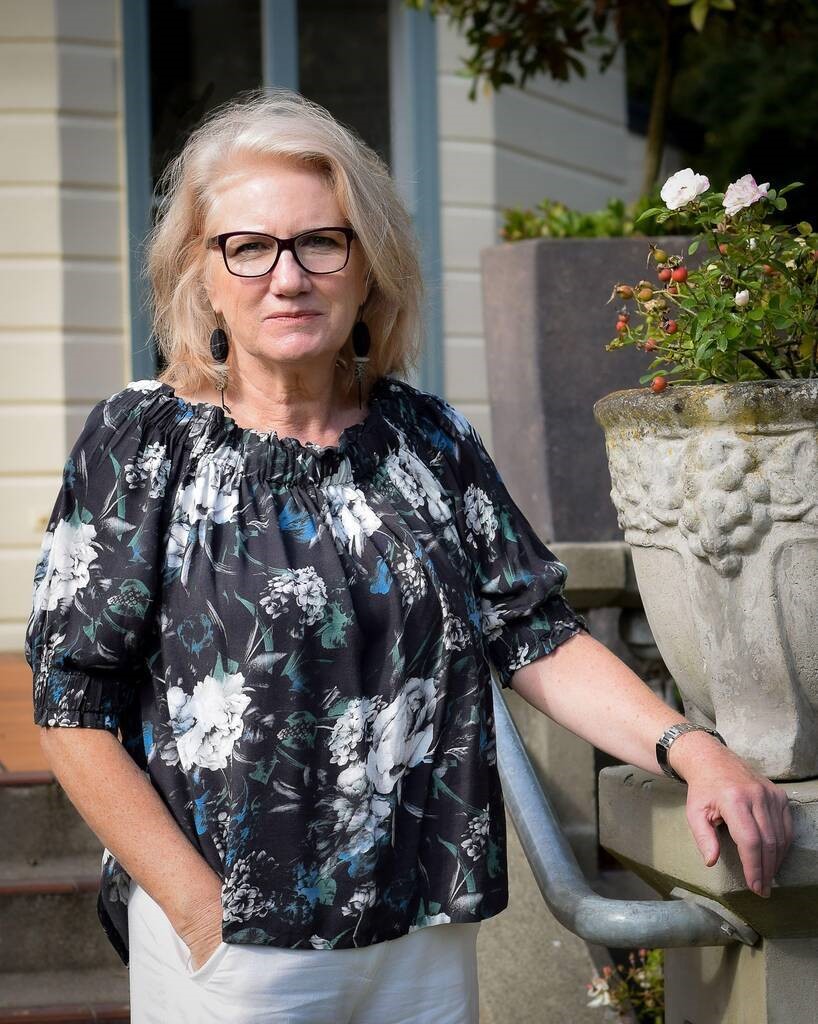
[(666, 740)]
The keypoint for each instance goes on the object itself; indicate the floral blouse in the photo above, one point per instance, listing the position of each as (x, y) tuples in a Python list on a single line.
[(295, 644)]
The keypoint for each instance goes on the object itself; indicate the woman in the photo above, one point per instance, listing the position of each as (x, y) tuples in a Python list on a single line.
[(288, 599)]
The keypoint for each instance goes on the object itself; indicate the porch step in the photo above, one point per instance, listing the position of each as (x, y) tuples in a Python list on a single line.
[(36, 817), (50, 933), (98, 995), (49, 910)]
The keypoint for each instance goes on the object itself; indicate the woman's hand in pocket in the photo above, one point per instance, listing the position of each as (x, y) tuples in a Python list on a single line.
[(201, 927)]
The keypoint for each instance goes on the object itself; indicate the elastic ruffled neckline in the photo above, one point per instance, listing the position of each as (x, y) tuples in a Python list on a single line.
[(286, 459)]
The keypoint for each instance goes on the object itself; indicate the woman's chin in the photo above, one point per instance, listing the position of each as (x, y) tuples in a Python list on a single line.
[(298, 345)]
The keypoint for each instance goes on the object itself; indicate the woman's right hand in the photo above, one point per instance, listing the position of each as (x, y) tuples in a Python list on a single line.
[(201, 928)]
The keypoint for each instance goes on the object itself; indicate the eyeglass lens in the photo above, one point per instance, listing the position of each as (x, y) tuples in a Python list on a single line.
[(252, 255)]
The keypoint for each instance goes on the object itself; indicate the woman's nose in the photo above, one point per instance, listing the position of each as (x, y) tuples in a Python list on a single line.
[(288, 276)]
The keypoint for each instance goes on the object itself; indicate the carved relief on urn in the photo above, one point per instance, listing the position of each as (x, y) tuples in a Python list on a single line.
[(716, 488)]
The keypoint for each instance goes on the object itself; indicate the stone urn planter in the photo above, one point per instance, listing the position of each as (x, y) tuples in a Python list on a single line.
[(716, 489)]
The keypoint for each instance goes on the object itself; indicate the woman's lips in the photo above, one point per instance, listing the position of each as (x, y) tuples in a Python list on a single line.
[(292, 316)]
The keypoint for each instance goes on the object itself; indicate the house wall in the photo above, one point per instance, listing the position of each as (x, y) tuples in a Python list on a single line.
[(63, 289), (566, 141)]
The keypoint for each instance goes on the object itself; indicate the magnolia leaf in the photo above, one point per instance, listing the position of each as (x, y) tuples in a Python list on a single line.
[(698, 14)]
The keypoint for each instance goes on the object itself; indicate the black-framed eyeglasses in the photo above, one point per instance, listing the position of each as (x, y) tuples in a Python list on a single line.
[(254, 254)]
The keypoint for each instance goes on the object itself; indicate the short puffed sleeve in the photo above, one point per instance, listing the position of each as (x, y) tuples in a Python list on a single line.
[(519, 581), (96, 581)]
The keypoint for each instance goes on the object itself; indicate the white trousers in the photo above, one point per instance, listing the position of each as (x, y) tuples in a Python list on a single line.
[(426, 977)]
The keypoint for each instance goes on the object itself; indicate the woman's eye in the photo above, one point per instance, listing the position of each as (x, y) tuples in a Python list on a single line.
[(320, 241)]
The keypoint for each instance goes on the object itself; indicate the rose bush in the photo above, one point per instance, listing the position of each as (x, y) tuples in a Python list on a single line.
[(750, 312)]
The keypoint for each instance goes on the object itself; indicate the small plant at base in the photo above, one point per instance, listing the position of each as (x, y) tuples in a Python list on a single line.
[(637, 989), (552, 219), (749, 313)]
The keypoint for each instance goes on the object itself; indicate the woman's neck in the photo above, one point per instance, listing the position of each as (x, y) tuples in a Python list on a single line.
[(307, 411)]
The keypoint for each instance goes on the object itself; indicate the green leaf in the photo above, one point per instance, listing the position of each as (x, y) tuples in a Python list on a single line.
[(703, 349), (804, 227), (732, 331), (652, 212), (693, 247), (723, 5), (698, 14), (722, 343), (680, 3), (787, 188), (780, 204), (755, 313)]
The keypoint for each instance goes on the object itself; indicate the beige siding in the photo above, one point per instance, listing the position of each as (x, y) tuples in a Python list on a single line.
[(564, 141), (63, 286)]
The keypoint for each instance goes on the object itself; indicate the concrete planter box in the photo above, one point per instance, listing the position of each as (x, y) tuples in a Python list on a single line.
[(547, 322), (716, 488)]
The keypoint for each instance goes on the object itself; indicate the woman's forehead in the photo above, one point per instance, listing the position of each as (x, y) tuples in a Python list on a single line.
[(264, 189)]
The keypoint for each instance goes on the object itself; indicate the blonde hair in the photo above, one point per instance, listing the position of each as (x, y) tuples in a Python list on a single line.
[(279, 123)]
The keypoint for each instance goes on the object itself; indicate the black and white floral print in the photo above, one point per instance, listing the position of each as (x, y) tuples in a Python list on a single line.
[(295, 643)]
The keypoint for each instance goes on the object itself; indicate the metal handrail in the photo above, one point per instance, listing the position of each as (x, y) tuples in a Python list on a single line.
[(620, 924)]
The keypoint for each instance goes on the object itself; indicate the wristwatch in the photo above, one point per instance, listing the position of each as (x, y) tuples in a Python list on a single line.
[(665, 741)]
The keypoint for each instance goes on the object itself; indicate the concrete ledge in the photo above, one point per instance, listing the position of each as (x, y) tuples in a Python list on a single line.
[(600, 574), (642, 822)]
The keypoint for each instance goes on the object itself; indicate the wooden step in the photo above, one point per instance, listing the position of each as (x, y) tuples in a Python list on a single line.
[(37, 819), (50, 907), (99, 994)]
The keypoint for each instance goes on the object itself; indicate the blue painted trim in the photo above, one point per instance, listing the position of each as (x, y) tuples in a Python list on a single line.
[(279, 42), (414, 141), (139, 188)]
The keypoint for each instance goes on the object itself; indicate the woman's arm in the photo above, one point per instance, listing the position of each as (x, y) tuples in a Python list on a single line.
[(126, 813), (585, 687)]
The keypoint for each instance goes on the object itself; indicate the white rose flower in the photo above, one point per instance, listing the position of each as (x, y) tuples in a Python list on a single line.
[(347, 514), (65, 556), (402, 733), (207, 723), (683, 186), (742, 298), (743, 193)]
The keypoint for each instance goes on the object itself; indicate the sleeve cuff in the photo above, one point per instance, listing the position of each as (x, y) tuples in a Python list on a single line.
[(526, 639), (71, 699)]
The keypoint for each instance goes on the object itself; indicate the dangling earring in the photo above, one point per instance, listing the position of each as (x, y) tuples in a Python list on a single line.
[(360, 344), (219, 347)]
